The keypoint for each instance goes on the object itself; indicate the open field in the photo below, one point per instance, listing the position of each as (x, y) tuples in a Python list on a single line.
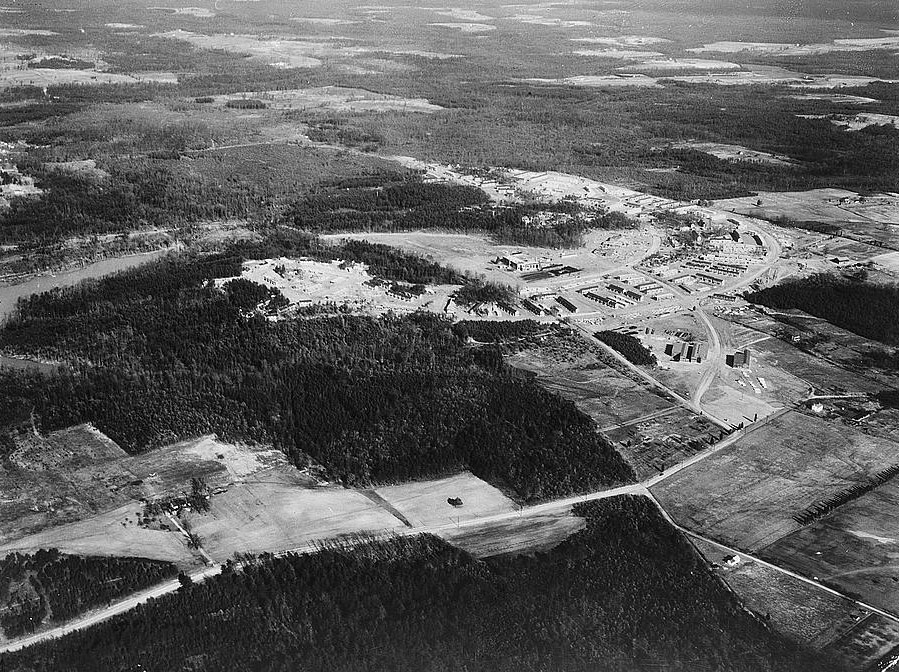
[(77, 482), (872, 639), (273, 511), (659, 442), (606, 394), (114, 532), (737, 153), (800, 611), (858, 44), (747, 494), (855, 549), (424, 503), (526, 535), (837, 206), (804, 613)]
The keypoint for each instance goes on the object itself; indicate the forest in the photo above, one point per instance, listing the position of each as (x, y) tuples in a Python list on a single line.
[(626, 594), (50, 587), (159, 353), (411, 205), (866, 308), (630, 347)]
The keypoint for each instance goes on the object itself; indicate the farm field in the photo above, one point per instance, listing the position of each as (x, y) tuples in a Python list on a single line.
[(806, 614), (75, 487), (272, 511), (662, 441), (424, 503), (854, 549), (111, 533), (747, 494), (528, 534), (606, 394), (802, 612)]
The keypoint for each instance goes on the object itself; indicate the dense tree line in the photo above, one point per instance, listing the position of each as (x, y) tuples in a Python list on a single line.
[(486, 331), (158, 353), (412, 204), (626, 594), (632, 349), (612, 221), (52, 587), (865, 308), (477, 291)]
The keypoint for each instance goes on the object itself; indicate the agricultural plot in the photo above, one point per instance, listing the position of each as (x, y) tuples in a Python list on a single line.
[(425, 503), (658, 442), (800, 611), (525, 535), (809, 615), (861, 217), (854, 549), (76, 487), (273, 510), (747, 494), (113, 533), (605, 394), (737, 153)]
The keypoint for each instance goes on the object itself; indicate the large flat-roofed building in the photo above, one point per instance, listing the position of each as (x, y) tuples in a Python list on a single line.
[(519, 261)]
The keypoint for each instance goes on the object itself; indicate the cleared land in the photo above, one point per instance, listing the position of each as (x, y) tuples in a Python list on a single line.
[(746, 494), (424, 503), (806, 614), (526, 535), (334, 99), (803, 612), (112, 533), (834, 206), (855, 549), (304, 282), (737, 153), (272, 511), (77, 490)]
